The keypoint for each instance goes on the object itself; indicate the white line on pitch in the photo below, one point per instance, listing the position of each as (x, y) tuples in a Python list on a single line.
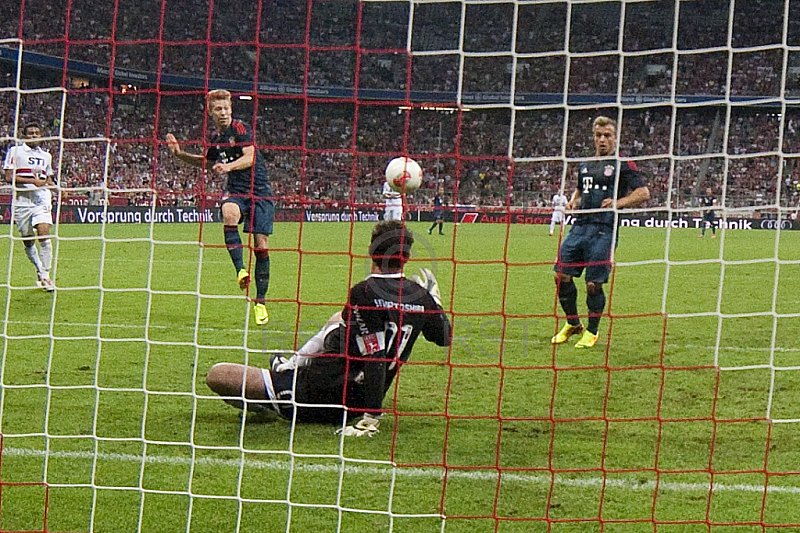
[(151, 326), (432, 473), (733, 348)]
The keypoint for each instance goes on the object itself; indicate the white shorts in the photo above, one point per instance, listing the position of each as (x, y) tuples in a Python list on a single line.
[(394, 212), (558, 217), (27, 217)]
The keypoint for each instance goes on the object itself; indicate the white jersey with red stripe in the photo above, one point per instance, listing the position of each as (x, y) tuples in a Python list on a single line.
[(559, 202), (391, 196), (27, 162)]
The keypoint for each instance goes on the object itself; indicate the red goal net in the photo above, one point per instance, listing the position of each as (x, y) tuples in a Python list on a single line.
[(682, 417)]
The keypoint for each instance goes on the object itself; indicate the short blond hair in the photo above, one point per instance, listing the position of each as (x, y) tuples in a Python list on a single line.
[(603, 121), (217, 94)]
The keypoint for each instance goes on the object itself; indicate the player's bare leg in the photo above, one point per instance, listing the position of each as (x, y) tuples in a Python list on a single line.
[(237, 383)]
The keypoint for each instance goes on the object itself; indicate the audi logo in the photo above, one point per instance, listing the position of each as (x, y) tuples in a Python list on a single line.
[(776, 224)]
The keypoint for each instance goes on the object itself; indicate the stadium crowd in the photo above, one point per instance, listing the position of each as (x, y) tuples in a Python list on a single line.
[(328, 152)]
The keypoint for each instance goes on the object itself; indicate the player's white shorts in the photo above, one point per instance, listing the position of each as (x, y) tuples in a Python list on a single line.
[(558, 217), (393, 213), (27, 217)]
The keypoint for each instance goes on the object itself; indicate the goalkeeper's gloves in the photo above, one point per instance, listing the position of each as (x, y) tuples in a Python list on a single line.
[(427, 281), (282, 364), (367, 426)]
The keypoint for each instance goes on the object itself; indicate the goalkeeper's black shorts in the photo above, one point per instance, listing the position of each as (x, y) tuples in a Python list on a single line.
[(318, 393)]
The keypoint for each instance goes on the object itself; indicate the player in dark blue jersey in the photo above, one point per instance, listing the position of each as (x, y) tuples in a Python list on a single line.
[(587, 246), (353, 360), (438, 211), (709, 203), (248, 200)]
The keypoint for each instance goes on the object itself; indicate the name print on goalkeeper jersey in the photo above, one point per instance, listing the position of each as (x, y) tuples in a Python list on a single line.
[(386, 314), (360, 352)]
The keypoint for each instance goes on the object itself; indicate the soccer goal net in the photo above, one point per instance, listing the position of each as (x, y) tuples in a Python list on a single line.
[(684, 416)]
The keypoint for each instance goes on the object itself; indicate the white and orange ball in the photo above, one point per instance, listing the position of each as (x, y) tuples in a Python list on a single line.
[(403, 174)]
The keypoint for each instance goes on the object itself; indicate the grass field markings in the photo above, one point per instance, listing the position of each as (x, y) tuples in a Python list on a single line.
[(183, 262), (508, 340), (435, 473), (140, 326), (759, 367), (777, 349)]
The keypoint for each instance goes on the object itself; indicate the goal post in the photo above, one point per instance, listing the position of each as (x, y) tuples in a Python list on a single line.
[(683, 417)]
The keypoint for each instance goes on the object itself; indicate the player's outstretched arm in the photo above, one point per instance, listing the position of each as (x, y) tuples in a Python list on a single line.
[(635, 198), (437, 329), (575, 200), (427, 280), (175, 149)]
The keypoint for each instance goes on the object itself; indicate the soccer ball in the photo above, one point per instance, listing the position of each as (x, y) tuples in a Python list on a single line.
[(403, 174)]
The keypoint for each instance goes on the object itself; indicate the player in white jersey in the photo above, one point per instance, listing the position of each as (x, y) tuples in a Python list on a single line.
[(559, 202), (394, 203), (29, 168)]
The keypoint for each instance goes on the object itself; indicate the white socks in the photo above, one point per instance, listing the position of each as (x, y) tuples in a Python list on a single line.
[(46, 255), (33, 255)]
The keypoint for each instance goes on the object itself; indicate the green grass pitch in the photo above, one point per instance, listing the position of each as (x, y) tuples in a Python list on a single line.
[(695, 380)]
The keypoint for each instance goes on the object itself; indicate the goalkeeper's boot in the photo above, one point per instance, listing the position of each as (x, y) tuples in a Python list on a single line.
[(243, 277), (261, 314), (588, 339), (566, 332)]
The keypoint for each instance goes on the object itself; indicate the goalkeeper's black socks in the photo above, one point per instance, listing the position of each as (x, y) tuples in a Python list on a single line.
[(568, 296), (234, 244), (596, 303), (262, 274), (441, 225)]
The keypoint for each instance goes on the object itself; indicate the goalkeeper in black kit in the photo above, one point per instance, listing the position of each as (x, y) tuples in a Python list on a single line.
[(603, 183), (343, 372)]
